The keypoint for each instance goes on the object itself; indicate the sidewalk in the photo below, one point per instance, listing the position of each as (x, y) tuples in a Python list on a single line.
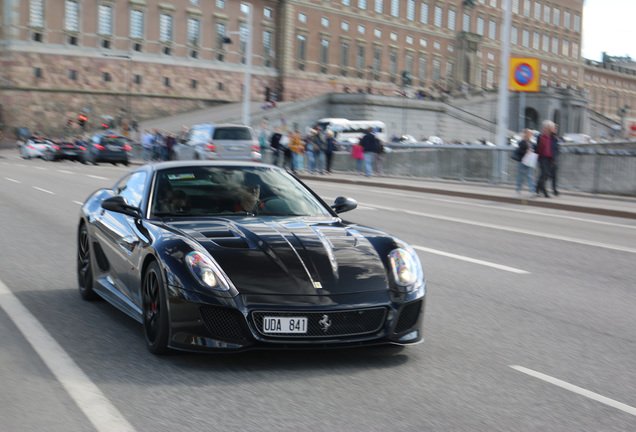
[(607, 205)]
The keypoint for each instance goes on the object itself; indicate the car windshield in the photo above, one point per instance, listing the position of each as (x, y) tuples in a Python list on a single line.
[(229, 190), (113, 140)]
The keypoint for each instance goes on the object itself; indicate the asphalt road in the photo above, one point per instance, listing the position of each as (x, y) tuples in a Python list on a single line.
[(529, 326)]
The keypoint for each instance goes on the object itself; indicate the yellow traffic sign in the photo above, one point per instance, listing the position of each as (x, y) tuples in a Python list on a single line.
[(524, 74)]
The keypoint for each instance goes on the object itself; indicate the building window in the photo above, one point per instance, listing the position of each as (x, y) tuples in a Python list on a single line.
[(526, 8), (194, 32), (555, 45), (325, 22), (395, 8), (546, 13), (546, 43), (566, 19), (37, 72), (362, 4), (438, 16), (409, 40), (361, 29), (437, 46), (377, 33), (437, 70), (220, 4), (166, 81), (302, 47), (324, 51), (268, 53), (525, 39), (344, 54), (577, 22), (537, 11), (422, 68), (452, 17), (536, 40), (194, 84), (136, 24), (410, 10), (566, 48), (424, 13), (165, 27), (138, 79), (268, 12), (492, 30), (302, 17), (245, 8), (408, 61), (346, 2), (36, 13), (106, 77), (360, 57), (344, 26), (71, 16), (423, 43), (480, 26), (221, 34), (393, 62), (105, 20), (556, 17), (379, 5), (377, 59), (515, 6), (72, 75), (466, 23), (394, 36), (514, 35)]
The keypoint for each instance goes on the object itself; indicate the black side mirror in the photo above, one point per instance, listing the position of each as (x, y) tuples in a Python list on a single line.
[(344, 204), (118, 204)]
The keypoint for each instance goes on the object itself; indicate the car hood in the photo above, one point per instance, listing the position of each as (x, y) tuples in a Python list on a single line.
[(291, 256)]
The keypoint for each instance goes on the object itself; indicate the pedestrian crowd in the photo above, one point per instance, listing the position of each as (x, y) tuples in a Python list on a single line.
[(158, 145), (542, 155), (313, 152)]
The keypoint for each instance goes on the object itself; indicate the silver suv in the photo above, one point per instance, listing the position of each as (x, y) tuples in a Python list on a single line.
[(219, 141)]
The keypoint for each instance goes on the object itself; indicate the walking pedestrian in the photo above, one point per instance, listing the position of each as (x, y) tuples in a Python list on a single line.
[(357, 153), (546, 149), (330, 149), (525, 172), (369, 144), (274, 144), (297, 148)]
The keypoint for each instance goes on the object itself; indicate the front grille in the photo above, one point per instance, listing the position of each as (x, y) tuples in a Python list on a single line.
[(342, 323), (408, 316), (223, 323)]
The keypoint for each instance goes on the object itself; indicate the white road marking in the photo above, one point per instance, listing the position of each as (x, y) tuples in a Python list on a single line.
[(516, 230), (77, 202), (96, 177), (97, 408), (41, 168), (12, 180), (65, 172), (578, 390), (43, 190), (472, 260)]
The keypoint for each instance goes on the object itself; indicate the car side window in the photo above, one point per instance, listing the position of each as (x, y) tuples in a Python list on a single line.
[(132, 188)]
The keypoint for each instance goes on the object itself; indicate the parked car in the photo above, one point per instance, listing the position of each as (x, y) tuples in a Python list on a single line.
[(62, 149), (219, 141), (230, 255), (106, 147), (34, 147)]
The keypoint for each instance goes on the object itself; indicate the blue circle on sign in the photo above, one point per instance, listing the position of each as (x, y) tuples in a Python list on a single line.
[(524, 74)]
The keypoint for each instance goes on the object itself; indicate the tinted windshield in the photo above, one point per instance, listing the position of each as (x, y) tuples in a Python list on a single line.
[(113, 140), (226, 191), (232, 133)]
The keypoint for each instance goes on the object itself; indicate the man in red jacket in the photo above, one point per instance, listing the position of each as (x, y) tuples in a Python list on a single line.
[(547, 149)]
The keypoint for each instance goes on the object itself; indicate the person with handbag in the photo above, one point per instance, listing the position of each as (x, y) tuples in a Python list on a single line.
[(547, 148), (524, 171)]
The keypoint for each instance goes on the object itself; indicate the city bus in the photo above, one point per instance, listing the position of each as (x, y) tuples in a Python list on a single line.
[(350, 131)]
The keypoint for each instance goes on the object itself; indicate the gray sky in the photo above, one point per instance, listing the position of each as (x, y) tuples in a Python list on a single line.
[(610, 26)]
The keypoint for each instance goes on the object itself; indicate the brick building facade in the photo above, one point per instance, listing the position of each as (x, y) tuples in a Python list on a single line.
[(137, 59)]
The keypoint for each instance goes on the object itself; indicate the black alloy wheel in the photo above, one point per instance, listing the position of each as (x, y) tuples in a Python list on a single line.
[(84, 268), (155, 311)]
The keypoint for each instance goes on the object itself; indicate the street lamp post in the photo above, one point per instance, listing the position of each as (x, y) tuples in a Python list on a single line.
[(248, 63)]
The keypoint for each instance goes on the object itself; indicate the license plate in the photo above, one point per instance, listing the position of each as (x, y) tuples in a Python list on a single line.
[(284, 324), (113, 147)]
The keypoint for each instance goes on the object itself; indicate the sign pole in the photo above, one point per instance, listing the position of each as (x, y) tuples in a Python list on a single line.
[(502, 114)]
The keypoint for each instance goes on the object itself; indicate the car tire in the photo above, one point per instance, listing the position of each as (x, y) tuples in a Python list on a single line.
[(85, 266), (155, 311)]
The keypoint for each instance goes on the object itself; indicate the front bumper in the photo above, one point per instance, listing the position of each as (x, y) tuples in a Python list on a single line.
[(209, 323)]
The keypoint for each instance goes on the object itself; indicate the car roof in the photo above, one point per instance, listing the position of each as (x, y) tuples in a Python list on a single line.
[(159, 166)]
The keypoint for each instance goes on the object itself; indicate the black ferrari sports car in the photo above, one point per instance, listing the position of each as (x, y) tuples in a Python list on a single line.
[(227, 256)]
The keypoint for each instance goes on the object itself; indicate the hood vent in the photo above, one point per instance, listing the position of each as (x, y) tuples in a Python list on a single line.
[(226, 239)]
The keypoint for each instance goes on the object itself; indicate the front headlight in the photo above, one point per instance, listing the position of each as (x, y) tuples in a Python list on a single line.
[(406, 268), (206, 271)]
